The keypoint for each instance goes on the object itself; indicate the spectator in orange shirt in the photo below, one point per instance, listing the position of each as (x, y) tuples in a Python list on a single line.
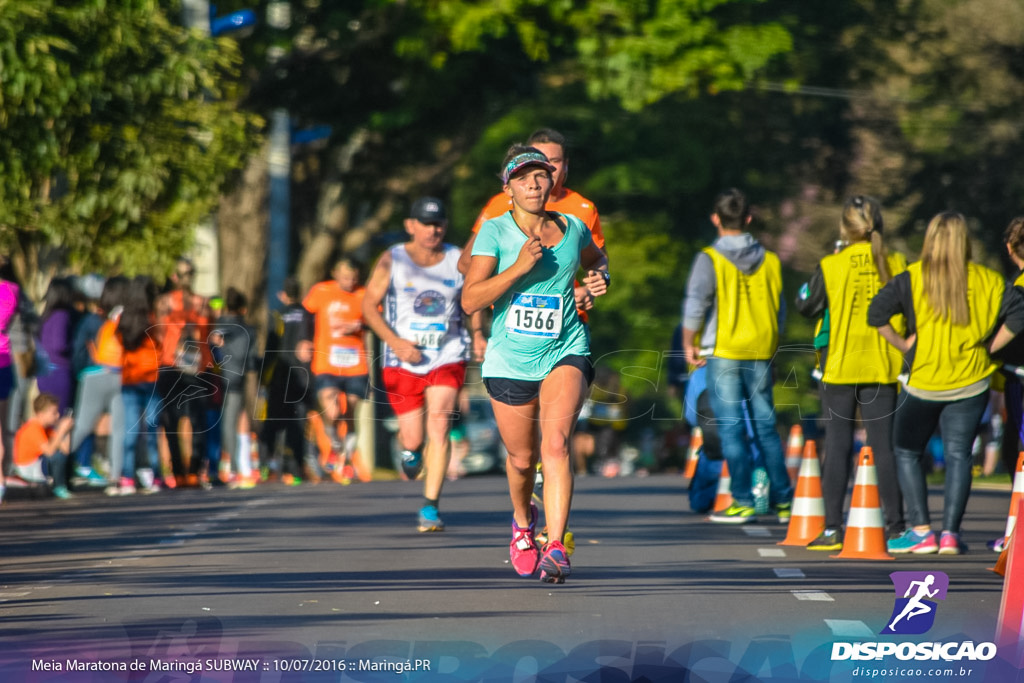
[(563, 200), (184, 385), (339, 359), (43, 442), (140, 368)]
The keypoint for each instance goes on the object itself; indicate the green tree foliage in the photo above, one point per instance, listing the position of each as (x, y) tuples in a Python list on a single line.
[(940, 127), (636, 52), (411, 87), (119, 129)]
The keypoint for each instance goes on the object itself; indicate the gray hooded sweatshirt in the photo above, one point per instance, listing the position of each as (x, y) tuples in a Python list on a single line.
[(699, 309)]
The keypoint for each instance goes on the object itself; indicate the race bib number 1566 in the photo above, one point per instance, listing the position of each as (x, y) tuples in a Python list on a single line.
[(535, 315)]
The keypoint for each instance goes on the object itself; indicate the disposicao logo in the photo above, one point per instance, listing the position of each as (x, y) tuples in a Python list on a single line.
[(914, 610), (913, 613)]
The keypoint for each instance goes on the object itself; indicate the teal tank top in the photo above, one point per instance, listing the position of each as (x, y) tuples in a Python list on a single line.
[(535, 322)]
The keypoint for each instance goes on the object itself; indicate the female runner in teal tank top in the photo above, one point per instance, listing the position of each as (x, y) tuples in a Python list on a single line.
[(537, 367)]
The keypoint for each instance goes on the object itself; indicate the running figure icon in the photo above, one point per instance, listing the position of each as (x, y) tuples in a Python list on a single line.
[(916, 603), (915, 606)]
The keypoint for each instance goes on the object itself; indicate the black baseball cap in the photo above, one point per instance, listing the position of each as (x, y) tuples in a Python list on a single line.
[(428, 210)]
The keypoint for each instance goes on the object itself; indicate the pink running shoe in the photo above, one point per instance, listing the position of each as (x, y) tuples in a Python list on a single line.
[(949, 544), (523, 548), (554, 563)]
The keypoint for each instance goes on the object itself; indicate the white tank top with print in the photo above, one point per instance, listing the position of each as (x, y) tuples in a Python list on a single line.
[(423, 304)]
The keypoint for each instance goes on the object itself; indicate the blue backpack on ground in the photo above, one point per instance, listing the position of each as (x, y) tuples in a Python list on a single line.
[(704, 485)]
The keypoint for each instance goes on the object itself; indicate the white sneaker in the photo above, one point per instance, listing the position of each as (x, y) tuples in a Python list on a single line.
[(146, 477)]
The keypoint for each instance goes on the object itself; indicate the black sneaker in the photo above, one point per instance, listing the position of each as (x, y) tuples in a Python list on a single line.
[(830, 539)]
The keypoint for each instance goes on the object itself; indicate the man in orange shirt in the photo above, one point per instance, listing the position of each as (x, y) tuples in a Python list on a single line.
[(339, 358), (185, 385), (563, 200), (45, 436)]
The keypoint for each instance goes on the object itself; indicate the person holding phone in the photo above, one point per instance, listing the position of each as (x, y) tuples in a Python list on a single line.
[(42, 443)]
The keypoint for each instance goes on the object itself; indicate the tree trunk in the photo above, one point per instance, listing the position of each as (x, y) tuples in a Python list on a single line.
[(242, 233)]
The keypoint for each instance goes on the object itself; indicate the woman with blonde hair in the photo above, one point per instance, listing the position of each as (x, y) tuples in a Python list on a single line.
[(860, 369), (952, 307)]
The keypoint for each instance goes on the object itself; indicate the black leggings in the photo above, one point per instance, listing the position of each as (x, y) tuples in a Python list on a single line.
[(839, 403)]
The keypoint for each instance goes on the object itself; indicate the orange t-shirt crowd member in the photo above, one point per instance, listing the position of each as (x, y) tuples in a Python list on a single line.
[(43, 436), (29, 442), (336, 349), (106, 348), (176, 311), (141, 365)]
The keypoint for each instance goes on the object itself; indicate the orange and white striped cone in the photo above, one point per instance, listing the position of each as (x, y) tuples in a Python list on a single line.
[(865, 528), (1010, 624), (1018, 489), (1004, 557), (808, 518), (723, 499), (693, 454), (794, 452)]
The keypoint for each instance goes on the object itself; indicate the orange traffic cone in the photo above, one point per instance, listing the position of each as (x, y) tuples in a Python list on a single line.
[(808, 518), (693, 455), (1004, 555), (723, 499), (1010, 625), (865, 528), (1011, 518), (794, 452), (1018, 489)]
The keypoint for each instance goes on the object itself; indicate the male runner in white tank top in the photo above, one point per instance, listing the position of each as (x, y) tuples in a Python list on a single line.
[(419, 287)]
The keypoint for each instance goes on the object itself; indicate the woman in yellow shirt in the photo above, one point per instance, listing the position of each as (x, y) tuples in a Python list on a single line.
[(952, 308), (860, 369)]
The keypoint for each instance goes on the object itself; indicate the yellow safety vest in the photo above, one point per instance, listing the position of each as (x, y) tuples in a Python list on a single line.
[(857, 354), (747, 308), (949, 356)]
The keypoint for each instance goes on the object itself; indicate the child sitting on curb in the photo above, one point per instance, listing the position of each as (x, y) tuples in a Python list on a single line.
[(42, 444)]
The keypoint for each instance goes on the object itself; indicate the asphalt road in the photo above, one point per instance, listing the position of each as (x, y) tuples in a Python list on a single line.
[(334, 583)]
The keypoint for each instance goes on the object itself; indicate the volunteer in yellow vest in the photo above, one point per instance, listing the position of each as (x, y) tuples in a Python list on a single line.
[(734, 295), (952, 308), (860, 368)]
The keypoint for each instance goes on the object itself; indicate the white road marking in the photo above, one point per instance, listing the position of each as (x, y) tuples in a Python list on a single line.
[(849, 628), (816, 596), (784, 573)]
